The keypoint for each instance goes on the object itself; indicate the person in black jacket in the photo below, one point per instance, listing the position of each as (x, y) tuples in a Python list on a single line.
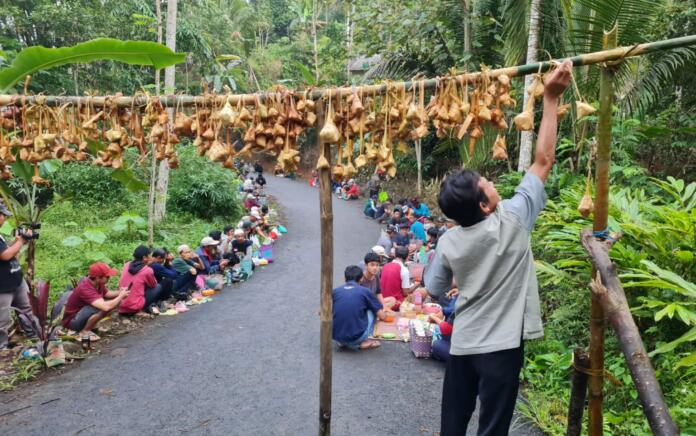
[(14, 291)]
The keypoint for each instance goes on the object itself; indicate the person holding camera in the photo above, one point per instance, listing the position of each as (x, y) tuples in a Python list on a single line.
[(14, 291)]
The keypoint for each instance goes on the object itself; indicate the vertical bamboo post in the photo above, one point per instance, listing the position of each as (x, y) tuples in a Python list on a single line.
[(578, 392), (419, 161), (601, 215), (326, 317)]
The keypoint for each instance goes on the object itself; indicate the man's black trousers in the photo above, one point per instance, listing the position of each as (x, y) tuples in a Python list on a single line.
[(494, 379)]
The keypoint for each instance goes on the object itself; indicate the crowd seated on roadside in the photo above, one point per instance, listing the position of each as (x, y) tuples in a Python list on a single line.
[(159, 282), (392, 274)]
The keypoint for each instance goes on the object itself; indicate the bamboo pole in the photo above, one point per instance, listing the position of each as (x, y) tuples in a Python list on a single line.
[(610, 294), (601, 215), (615, 54), (326, 317), (578, 391)]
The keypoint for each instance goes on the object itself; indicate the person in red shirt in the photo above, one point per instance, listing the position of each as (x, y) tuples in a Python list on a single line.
[(145, 291), (90, 301), (395, 280), (352, 191)]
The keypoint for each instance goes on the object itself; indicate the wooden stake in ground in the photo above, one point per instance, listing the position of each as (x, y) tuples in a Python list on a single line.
[(578, 391), (601, 215), (326, 316), (608, 291)]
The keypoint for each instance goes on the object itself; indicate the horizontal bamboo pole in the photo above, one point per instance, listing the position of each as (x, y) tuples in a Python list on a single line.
[(616, 54)]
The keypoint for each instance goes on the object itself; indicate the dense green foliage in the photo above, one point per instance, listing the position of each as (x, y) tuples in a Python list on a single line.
[(201, 189)]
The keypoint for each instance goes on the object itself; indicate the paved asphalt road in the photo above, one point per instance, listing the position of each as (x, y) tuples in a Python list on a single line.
[(245, 364)]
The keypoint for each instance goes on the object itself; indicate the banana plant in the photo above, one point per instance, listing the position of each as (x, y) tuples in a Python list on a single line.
[(38, 58), (21, 196)]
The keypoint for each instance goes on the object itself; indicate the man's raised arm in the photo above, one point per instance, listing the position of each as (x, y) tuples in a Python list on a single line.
[(545, 154)]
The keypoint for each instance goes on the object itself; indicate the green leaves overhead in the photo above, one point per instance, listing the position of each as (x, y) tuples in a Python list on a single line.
[(33, 59)]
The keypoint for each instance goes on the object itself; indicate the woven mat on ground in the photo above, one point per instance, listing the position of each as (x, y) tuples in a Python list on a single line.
[(382, 327)]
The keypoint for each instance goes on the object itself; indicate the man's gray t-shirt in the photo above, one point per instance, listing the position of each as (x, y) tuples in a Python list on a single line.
[(493, 266)]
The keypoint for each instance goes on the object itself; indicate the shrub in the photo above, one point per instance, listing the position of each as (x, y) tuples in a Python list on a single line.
[(85, 182), (202, 189)]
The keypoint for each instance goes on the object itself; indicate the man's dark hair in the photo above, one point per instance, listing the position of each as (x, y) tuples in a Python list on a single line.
[(159, 252), (401, 252), (396, 209), (227, 229), (371, 257), (391, 229), (353, 273), (140, 252), (460, 198), (215, 234), (433, 231), (264, 209)]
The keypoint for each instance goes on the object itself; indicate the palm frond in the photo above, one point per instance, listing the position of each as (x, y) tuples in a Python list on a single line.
[(515, 30), (646, 82)]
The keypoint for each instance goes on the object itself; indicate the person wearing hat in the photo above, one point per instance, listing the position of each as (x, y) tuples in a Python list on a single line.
[(210, 257), (14, 291), (91, 301), (241, 246), (250, 201)]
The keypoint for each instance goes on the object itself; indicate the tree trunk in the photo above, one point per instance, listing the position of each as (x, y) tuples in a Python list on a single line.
[(326, 315), (601, 217), (467, 26), (610, 294), (153, 166), (350, 10), (75, 79), (169, 87), (315, 49), (527, 137), (578, 391), (419, 162)]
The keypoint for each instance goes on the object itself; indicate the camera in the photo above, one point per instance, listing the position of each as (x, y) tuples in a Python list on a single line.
[(22, 230)]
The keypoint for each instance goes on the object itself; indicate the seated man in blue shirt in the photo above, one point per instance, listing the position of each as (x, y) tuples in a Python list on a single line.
[(354, 311)]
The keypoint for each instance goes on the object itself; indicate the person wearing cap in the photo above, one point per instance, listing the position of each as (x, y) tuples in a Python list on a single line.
[(91, 301), (209, 256), (250, 201), (187, 264), (14, 291), (145, 291), (241, 246)]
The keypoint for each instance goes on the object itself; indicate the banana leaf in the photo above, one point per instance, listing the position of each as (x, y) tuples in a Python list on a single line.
[(36, 58)]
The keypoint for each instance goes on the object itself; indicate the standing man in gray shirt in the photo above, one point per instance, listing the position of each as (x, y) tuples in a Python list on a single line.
[(489, 255)]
